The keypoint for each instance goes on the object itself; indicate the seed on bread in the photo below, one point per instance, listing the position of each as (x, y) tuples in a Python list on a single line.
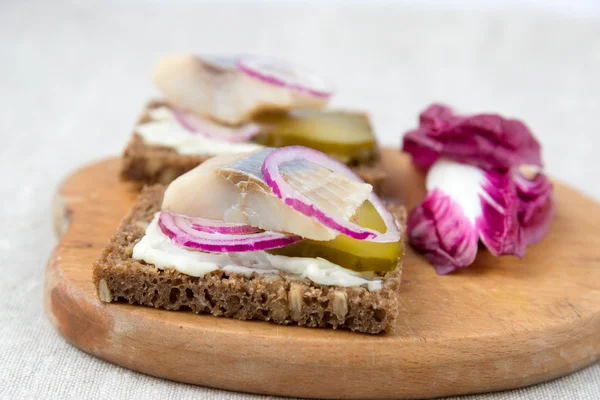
[(104, 292), (340, 304), (295, 301)]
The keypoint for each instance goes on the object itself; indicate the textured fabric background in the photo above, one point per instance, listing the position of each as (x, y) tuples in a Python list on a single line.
[(73, 77)]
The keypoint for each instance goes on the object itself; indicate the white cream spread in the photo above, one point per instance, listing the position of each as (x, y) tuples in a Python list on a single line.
[(156, 248), (163, 129)]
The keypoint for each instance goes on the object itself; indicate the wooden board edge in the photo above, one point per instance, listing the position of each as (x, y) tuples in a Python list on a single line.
[(61, 215)]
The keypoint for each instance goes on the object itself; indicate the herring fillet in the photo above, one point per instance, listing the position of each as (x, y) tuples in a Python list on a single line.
[(215, 88), (234, 190), (250, 165), (332, 192)]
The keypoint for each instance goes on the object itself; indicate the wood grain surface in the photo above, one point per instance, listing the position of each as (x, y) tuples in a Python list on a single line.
[(501, 323)]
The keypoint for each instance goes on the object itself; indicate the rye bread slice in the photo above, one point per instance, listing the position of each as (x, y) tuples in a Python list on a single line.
[(276, 298), (148, 164)]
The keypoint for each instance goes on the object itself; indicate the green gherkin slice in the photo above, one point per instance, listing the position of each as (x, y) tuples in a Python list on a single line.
[(345, 136), (357, 255)]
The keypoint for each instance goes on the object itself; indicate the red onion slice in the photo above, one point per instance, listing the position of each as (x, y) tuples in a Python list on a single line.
[(180, 229), (213, 130), (227, 228), (283, 74), (272, 175)]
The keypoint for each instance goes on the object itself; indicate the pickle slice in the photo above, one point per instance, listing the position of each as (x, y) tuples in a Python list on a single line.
[(357, 255), (345, 136)]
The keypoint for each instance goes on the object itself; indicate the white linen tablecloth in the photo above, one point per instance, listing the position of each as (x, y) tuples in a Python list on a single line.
[(73, 77)]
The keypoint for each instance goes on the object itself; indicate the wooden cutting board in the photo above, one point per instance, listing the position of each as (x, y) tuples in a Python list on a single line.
[(501, 323)]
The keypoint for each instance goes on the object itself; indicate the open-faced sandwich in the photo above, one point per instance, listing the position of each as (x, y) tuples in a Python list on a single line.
[(215, 106), (287, 235)]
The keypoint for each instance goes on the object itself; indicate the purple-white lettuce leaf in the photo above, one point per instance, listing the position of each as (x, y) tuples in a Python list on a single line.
[(488, 141), (536, 205), (439, 229), (465, 204), (499, 227)]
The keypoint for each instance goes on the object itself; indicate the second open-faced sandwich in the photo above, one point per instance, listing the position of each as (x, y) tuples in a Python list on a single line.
[(214, 106), (287, 235)]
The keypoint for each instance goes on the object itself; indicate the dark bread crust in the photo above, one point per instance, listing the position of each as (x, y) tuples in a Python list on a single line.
[(149, 164), (118, 277)]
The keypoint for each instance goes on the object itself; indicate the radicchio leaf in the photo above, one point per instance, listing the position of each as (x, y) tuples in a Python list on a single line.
[(439, 228), (484, 140), (498, 225), (536, 206), (464, 204)]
